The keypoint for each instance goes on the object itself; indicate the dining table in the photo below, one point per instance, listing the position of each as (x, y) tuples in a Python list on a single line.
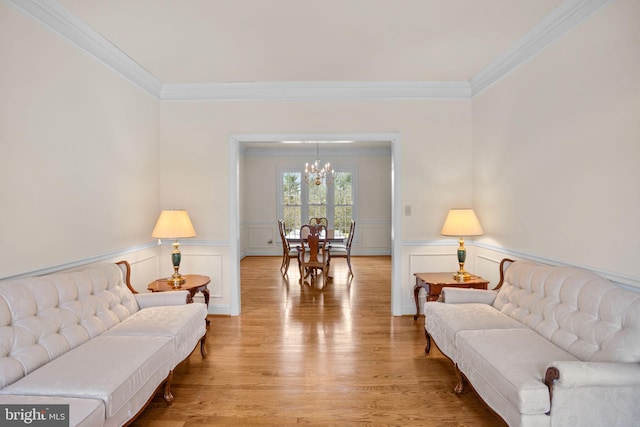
[(336, 237)]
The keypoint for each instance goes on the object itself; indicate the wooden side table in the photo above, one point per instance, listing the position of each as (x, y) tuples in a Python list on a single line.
[(194, 283), (433, 283)]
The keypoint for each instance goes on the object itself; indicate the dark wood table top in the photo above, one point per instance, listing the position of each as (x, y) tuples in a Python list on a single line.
[(192, 281), (446, 278)]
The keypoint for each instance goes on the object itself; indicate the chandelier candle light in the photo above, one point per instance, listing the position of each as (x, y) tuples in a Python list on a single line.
[(174, 224), (316, 175), (461, 222)]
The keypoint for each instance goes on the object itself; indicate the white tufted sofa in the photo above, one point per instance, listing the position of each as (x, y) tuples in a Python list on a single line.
[(85, 339), (550, 346)]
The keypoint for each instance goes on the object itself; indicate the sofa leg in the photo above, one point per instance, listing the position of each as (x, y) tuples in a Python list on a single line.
[(428, 347), (459, 388), (203, 350), (167, 396)]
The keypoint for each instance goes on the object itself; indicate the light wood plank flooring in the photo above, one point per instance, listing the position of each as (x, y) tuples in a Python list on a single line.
[(331, 356)]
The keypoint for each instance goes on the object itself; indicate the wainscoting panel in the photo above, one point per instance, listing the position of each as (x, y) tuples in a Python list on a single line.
[(431, 260), (143, 272), (260, 239), (488, 267), (145, 265), (373, 236), (440, 256), (205, 258), (487, 254), (208, 265), (260, 236)]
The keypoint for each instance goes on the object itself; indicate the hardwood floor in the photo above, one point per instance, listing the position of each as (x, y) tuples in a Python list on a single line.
[(331, 356)]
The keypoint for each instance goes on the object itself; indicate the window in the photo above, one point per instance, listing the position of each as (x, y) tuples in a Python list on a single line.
[(343, 201), (301, 201), (292, 200), (317, 201)]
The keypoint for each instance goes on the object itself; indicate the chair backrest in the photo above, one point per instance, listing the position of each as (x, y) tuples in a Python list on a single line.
[(318, 221), (283, 235), (352, 231), (281, 228), (315, 241)]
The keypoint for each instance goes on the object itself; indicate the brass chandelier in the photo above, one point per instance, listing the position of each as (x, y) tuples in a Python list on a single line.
[(313, 173)]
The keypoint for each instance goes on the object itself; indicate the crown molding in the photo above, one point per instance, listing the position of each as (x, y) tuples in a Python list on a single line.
[(569, 14), (291, 91), (57, 18), (291, 150)]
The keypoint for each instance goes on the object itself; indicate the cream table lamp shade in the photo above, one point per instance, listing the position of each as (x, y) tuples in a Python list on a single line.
[(173, 224), (462, 222)]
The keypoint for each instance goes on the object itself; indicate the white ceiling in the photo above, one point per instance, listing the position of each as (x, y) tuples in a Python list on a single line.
[(227, 41)]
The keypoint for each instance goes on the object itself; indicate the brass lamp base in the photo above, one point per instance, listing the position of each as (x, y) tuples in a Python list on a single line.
[(461, 276), (176, 280)]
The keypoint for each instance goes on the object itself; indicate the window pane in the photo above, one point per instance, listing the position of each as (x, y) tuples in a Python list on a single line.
[(317, 194), (292, 218), (343, 218), (292, 200), (343, 189), (317, 200), (317, 211), (343, 201)]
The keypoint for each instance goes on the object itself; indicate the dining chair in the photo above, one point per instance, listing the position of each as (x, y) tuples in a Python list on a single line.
[(339, 250), (313, 253), (319, 220), (287, 250)]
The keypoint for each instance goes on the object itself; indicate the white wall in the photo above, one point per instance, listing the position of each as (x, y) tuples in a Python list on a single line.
[(79, 162), (435, 154), (557, 146)]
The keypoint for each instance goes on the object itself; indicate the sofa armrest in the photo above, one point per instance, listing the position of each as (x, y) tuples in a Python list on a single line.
[(593, 393), (587, 374), (155, 299), (465, 296)]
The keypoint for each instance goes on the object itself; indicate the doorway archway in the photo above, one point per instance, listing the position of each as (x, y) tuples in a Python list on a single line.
[(235, 140)]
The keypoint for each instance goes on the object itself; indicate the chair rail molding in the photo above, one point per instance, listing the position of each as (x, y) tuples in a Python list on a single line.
[(626, 281), (80, 262), (497, 253)]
